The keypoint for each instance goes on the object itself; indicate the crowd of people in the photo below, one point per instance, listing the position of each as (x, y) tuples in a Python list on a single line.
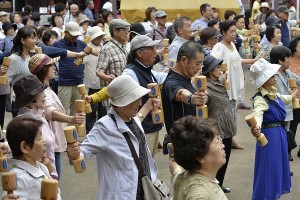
[(48, 63)]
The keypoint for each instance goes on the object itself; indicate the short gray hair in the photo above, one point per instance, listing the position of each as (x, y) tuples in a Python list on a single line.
[(179, 23)]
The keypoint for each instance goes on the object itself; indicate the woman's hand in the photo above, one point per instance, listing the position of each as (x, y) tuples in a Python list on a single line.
[(78, 118), (294, 93), (4, 147), (73, 151), (4, 69), (255, 131), (152, 103)]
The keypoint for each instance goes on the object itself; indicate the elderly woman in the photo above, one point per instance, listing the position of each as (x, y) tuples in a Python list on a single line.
[(118, 175), (273, 34), (219, 108), (209, 37), (44, 68), (227, 51), (199, 150)]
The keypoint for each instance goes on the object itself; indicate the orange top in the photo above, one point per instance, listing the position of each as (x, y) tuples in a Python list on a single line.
[(295, 67)]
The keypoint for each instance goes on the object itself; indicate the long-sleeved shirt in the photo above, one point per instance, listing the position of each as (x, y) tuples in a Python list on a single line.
[(117, 171), (100, 95), (6, 44), (89, 14), (282, 80), (29, 179), (202, 23), (175, 46), (260, 104)]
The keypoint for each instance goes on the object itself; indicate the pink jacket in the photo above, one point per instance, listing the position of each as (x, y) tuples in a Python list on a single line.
[(48, 136), (53, 103)]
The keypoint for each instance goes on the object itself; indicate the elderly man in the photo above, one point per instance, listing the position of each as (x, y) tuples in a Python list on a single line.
[(179, 97), (182, 27), (71, 16), (3, 18), (70, 75), (206, 12), (113, 57), (141, 59)]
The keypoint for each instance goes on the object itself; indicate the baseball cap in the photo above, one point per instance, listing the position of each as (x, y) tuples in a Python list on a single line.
[(140, 41), (160, 13), (73, 28)]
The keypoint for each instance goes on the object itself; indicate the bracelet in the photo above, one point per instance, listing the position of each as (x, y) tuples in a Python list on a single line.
[(140, 115)]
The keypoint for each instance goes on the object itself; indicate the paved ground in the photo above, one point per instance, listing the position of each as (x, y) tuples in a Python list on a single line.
[(239, 175)]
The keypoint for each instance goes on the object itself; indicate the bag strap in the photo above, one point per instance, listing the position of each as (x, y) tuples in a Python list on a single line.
[(131, 147)]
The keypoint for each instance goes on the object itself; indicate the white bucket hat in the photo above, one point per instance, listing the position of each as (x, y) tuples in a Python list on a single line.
[(123, 90), (261, 71), (95, 32)]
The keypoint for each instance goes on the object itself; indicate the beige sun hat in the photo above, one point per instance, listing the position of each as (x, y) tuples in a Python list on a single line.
[(123, 90), (95, 32)]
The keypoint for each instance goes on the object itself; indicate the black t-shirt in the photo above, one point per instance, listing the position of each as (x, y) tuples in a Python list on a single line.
[(174, 110)]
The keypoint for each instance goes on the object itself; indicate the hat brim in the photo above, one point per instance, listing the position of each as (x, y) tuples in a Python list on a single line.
[(213, 65), (153, 43), (130, 97), (98, 34), (141, 33), (75, 33), (161, 16), (12, 25), (265, 77), (25, 99)]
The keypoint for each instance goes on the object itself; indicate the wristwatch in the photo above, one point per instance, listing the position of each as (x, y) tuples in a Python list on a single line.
[(189, 99)]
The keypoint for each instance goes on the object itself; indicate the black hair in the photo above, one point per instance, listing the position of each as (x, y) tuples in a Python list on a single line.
[(269, 12), (203, 7), (191, 138), (225, 26), (105, 15), (28, 10), (189, 49), (53, 18), (23, 33), (229, 13), (97, 21), (47, 35), (279, 53), (212, 22), (179, 23), (148, 12), (60, 7), (22, 128), (293, 44), (25, 19), (270, 32), (171, 34), (36, 17), (41, 30), (236, 18)]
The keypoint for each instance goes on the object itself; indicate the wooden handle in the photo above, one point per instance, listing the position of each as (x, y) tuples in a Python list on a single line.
[(202, 112), (87, 50), (154, 90), (78, 61), (251, 121), (262, 140), (80, 106), (6, 61), (224, 67), (81, 89), (79, 165), (292, 83), (70, 134), (80, 128), (157, 117), (39, 50), (49, 189), (171, 63), (9, 182), (200, 83), (295, 104), (166, 42)]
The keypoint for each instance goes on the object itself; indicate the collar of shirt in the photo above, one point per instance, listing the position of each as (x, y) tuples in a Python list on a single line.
[(180, 39), (151, 25), (271, 94), (34, 171), (147, 67), (117, 43), (204, 19)]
